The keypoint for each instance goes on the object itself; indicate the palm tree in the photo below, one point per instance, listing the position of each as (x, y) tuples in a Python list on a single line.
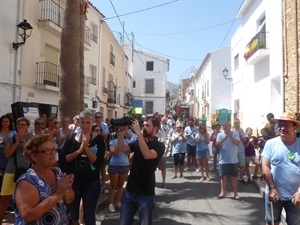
[(71, 98)]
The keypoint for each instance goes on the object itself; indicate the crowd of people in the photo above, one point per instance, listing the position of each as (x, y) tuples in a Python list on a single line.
[(65, 166)]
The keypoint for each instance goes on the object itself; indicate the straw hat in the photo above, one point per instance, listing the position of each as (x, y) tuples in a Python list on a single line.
[(289, 116)]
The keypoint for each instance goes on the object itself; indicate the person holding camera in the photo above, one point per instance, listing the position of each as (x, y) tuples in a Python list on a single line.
[(139, 193), (83, 155)]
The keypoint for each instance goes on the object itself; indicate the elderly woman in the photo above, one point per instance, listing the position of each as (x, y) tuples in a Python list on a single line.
[(42, 192), (14, 152), (83, 155)]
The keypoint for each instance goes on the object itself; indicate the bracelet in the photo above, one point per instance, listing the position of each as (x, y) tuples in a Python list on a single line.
[(270, 188)]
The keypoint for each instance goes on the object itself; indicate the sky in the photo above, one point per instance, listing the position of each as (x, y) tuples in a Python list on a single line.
[(184, 31)]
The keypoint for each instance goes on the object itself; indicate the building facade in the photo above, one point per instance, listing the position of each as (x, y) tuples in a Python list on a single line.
[(31, 73), (149, 84)]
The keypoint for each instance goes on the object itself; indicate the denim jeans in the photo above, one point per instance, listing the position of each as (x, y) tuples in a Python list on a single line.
[(132, 203), (89, 193), (292, 211)]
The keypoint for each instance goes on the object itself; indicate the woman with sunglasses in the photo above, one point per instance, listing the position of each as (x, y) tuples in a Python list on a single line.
[(42, 192), (39, 124), (14, 149)]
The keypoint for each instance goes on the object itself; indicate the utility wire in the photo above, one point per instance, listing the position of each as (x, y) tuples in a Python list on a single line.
[(141, 10)]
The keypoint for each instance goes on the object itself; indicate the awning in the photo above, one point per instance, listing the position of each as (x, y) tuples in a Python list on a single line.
[(135, 110)]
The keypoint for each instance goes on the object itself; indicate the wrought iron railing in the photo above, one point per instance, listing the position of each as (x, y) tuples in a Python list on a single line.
[(48, 74), (87, 35), (51, 11), (259, 41)]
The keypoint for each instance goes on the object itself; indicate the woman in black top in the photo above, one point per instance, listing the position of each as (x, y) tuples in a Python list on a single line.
[(83, 155)]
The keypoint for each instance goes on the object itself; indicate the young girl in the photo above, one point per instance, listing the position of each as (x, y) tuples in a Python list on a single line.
[(202, 139), (250, 153), (215, 149)]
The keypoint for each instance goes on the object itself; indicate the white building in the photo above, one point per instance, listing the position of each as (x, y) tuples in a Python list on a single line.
[(149, 74), (209, 90), (31, 73), (257, 62)]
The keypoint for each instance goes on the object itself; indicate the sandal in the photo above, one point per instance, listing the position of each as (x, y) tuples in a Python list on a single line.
[(236, 197), (220, 197), (173, 177), (183, 177)]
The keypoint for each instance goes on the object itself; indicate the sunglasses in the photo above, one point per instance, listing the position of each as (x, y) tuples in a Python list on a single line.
[(37, 123), (98, 117)]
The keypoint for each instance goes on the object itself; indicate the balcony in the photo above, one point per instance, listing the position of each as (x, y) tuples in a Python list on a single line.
[(112, 100), (128, 100), (51, 17), (257, 48), (47, 76)]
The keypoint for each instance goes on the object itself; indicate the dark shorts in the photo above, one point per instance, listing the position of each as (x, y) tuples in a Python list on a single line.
[(228, 170), (191, 150), (179, 159)]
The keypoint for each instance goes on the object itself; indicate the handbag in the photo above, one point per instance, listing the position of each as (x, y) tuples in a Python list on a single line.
[(18, 171)]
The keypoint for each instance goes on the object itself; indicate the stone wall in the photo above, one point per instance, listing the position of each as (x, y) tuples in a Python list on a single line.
[(291, 43)]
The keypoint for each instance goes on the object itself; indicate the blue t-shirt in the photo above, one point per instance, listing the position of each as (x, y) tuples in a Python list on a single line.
[(189, 133), (241, 147), (228, 150), (178, 146), (119, 159), (202, 145), (285, 169)]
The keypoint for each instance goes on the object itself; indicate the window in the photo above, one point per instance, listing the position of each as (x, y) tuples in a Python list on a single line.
[(133, 84), (93, 72), (207, 88), (149, 86), (94, 33), (149, 66), (236, 61), (112, 56), (149, 107)]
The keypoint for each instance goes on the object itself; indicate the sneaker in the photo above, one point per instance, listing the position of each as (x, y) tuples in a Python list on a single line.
[(202, 179), (207, 179), (254, 177), (118, 205), (186, 168), (197, 170), (104, 190), (249, 181), (242, 182), (111, 208)]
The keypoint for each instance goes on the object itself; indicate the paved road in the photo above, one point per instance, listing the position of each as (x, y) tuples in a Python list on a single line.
[(189, 201)]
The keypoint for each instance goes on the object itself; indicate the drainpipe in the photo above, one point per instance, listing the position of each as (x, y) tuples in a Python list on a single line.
[(282, 79), (297, 55), (17, 68)]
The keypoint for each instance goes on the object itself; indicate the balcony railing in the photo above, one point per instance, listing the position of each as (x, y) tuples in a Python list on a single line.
[(91, 80), (112, 59), (259, 41), (94, 38), (51, 11), (47, 74)]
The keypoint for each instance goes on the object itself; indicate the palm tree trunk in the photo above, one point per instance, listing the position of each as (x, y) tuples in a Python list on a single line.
[(71, 80)]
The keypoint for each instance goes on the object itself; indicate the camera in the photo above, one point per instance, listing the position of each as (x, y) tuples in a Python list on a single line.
[(124, 121), (82, 164)]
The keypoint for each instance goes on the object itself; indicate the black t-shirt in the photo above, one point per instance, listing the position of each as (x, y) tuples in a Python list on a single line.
[(141, 180), (92, 172)]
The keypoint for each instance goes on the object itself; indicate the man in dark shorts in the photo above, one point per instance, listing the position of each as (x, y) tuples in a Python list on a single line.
[(189, 133), (228, 143)]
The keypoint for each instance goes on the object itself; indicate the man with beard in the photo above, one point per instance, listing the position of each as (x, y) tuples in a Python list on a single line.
[(139, 194)]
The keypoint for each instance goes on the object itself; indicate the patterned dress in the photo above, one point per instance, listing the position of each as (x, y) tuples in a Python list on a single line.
[(55, 216)]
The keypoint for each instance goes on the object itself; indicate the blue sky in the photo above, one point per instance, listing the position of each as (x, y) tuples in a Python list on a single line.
[(183, 31)]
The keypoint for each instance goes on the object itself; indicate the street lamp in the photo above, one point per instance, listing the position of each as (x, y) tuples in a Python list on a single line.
[(225, 74), (22, 28)]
